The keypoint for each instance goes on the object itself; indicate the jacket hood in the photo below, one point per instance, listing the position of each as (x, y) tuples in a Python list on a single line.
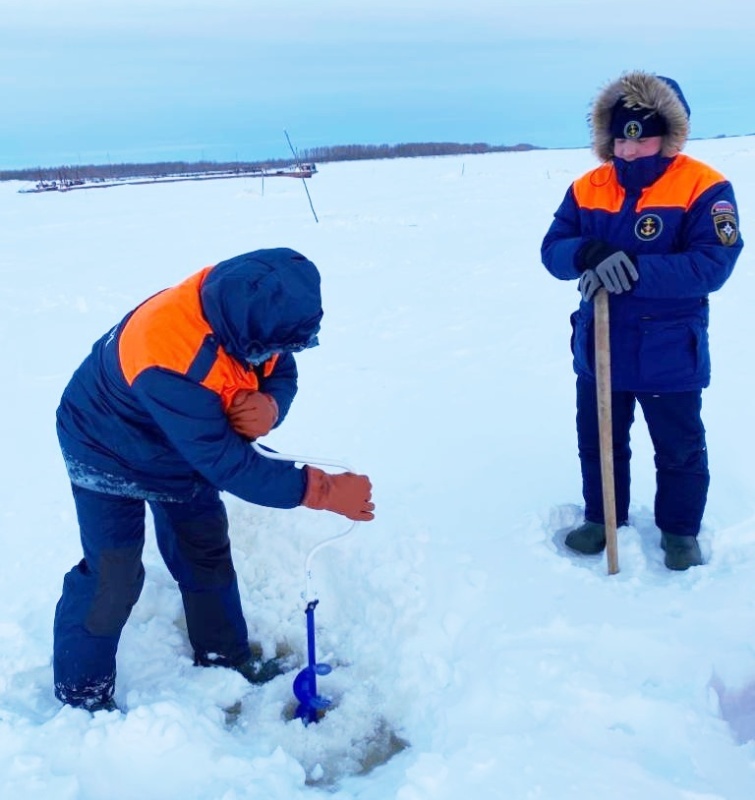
[(651, 93), (263, 301)]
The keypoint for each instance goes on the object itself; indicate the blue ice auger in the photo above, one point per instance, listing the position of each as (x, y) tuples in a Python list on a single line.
[(312, 706)]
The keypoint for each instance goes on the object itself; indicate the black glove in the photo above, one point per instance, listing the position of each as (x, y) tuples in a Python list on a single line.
[(614, 267), (589, 283)]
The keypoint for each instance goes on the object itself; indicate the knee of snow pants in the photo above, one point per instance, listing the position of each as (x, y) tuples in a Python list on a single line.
[(118, 586), (98, 595)]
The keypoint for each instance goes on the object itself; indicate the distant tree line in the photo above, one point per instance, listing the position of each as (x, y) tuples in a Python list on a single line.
[(349, 152), (359, 152)]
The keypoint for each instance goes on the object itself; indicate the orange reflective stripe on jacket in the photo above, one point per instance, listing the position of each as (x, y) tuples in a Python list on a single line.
[(679, 187), (169, 331), (599, 190)]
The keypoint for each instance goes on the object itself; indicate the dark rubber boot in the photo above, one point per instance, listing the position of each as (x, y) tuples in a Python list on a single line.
[(682, 552), (258, 672), (588, 539), (107, 705), (95, 704)]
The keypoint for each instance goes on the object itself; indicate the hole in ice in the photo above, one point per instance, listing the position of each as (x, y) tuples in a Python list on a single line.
[(347, 740)]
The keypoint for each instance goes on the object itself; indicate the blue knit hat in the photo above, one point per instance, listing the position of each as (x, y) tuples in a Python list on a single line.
[(636, 122)]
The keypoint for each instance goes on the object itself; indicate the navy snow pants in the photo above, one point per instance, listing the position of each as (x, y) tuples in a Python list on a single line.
[(681, 459), (100, 591)]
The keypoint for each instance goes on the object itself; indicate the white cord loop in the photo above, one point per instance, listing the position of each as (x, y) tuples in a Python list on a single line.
[(321, 462)]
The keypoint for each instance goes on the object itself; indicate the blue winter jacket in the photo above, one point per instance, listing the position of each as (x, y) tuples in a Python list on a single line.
[(145, 413), (677, 219)]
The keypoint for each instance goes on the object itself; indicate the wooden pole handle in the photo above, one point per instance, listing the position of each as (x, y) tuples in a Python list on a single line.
[(605, 425)]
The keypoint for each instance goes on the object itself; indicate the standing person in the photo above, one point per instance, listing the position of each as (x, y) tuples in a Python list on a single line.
[(658, 231), (160, 413)]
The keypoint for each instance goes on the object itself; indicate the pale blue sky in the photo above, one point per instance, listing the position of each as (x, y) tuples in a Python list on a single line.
[(98, 81)]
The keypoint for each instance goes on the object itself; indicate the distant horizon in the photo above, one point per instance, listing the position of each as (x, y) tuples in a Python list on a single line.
[(504, 147), (290, 158)]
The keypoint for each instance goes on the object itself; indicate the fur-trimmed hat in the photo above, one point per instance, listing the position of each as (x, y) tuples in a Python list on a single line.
[(639, 104)]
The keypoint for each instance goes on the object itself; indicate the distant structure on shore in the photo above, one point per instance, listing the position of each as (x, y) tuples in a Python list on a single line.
[(66, 184)]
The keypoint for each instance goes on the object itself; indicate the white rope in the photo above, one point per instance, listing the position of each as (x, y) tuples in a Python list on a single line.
[(275, 456)]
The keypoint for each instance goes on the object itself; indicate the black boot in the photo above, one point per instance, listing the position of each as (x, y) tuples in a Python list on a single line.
[(95, 704), (257, 671), (682, 552), (588, 539)]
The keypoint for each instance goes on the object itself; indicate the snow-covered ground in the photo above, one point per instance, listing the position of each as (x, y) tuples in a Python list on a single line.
[(473, 656)]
